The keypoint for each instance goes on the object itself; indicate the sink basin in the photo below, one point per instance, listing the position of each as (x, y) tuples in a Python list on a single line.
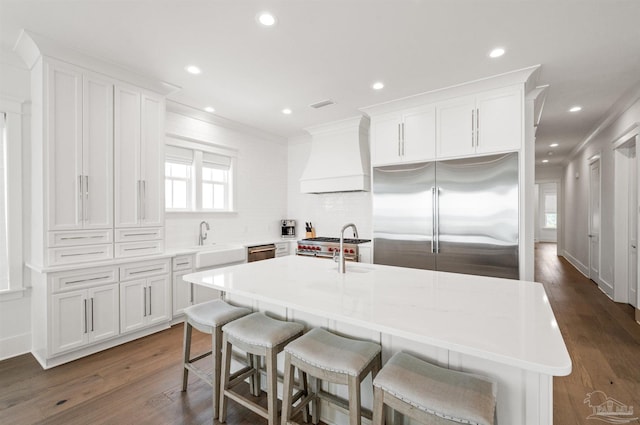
[(219, 254)]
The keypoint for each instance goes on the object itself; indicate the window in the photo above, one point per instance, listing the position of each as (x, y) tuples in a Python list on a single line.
[(197, 178), (550, 211)]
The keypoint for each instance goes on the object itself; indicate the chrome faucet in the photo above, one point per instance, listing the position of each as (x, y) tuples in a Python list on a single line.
[(203, 233), (341, 260)]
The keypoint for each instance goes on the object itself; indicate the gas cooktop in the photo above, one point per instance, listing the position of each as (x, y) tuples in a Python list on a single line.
[(336, 240)]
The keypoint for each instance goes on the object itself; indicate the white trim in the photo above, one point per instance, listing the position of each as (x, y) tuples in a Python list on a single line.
[(595, 159), (199, 145), (575, 263), (15, 346), (627, 135)]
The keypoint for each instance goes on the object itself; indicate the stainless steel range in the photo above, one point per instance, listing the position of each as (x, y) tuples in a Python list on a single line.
[(326, 247)]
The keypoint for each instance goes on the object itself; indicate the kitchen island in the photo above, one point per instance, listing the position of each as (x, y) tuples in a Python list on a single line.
[(498, 327)]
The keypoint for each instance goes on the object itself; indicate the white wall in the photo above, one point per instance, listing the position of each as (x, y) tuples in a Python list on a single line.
[(576, 199), (15, 311), (261, 185), (327, 211)]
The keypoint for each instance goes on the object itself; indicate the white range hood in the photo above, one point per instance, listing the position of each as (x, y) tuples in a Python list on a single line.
[(339, 160)]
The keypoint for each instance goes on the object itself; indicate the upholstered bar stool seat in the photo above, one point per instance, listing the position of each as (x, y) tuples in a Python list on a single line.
[(208, 317), (433, 395), (256, 334), (325, 356)]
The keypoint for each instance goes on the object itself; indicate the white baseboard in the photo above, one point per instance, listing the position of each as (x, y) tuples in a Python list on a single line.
[(15, 346), (575, 263), (607, 288)]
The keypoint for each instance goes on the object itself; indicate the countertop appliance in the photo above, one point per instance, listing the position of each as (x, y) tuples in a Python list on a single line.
[(261, 252), (457, 216), (326, 247), (288, 229)]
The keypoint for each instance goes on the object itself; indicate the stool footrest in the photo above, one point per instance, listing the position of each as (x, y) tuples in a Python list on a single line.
[(249, 404), (200, 357), (342, 403), (202, 374), (239, 376)]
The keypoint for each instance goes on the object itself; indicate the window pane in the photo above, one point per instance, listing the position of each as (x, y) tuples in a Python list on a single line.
[(207, 195), (550, 220), (218, 196), (167, 169), (179, 194), (180, 170), (206, 173), (168, 194), (214, 174), (550, 202)]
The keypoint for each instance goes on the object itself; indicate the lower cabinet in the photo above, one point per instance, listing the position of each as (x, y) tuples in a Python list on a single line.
[(144, 302), (186, 293), (83, 317)]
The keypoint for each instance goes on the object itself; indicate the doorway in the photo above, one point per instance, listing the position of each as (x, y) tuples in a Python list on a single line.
[(626, 219), (594, 220)]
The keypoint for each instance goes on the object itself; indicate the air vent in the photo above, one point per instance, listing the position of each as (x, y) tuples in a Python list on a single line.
[(322, 104)]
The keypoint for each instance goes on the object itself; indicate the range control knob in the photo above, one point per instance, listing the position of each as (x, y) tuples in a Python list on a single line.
[(351, 251)]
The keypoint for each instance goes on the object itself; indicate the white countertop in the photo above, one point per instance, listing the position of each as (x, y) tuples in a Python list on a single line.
[(506, 321)]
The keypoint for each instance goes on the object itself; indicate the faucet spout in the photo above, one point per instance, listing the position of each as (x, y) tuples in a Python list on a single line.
[(203, 232), (341, 259)]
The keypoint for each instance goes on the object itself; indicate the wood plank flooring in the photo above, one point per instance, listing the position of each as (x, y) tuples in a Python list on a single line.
[(139, 382)]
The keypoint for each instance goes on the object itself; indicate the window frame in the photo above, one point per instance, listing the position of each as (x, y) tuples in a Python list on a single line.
[(199, 148), (189, 183), (544, 212), (14, 112)]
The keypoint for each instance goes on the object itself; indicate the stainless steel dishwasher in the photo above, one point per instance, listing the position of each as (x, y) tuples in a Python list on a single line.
[(261, 252)]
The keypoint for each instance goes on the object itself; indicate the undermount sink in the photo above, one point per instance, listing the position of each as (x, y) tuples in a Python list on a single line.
[(219, 254)]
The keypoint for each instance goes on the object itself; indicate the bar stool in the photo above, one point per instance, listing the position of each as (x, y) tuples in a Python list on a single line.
[(433, 395), (208, 317), (256, 334), (329, 357)]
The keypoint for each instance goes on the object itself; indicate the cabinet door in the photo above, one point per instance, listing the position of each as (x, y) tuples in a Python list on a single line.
[(499, 123), (69, 321), (63, 131), (97, 152), (158, 299), (127, 156), (385, 134), (202, 294), (152, 161), (419, 135), (182, 293), (133, 305), (455, 128), (105, 317)]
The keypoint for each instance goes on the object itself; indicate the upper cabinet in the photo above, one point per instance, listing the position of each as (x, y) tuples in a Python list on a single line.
[(79, 144), (139, 166), (488, 122), (409, 136)]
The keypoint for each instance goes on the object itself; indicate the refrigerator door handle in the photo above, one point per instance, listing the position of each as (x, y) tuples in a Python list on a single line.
[(437, 220), (433, 220)]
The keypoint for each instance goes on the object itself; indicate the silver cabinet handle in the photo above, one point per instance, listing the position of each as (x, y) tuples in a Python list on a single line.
[(149, 300), (139, 248), (89, 279), (82, 253), (80, 237), (85, 315), (86, 199), (148, 270), (80, 198), (402, 139), (91, 314), (399, 139), (145, 302), (144, 200), (473, 126), (141, 234), (477, 127)]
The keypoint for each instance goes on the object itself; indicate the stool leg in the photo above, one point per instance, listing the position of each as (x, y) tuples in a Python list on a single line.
[(272, 385), (226, 367), (378, 407), (216, 345), (187, 352), (315, 388), (354, 400), (305, 391), (287, 387), (254, 380)]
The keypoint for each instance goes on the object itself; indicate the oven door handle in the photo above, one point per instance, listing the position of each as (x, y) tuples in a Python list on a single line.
[(255, 251)]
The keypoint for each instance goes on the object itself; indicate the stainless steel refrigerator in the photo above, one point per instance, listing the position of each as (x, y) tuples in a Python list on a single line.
[(457, 216)]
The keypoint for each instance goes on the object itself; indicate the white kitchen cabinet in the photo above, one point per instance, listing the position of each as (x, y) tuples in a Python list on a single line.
[(145, 295), (490, 122), (282, 249), (182, 292), (83, 317), (408, 136), (139, 163)]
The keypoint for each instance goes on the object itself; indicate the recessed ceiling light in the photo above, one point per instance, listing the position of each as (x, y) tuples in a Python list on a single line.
[(192, 69), (378, 86), (286, 111), (267, 19), (544, 161), (553, 145), (575, 108), (497, 52), (209, 109)]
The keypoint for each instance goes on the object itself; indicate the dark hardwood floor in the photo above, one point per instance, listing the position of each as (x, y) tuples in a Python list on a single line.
[(602, 337), (139, 382)]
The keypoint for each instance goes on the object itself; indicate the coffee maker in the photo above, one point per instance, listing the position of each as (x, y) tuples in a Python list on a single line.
[(288, 229)]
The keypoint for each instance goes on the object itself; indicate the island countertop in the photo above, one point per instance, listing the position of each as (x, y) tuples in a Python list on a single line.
[(502, 320)]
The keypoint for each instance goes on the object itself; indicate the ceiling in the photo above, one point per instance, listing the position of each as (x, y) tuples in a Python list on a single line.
[(336, 49)]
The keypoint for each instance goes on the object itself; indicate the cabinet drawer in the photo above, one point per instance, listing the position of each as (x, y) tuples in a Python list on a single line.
[(136, 249), (135, 235), (184, 262), (143, 269), (83, 278), (80, 237), (282, 248), (80, 254)]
